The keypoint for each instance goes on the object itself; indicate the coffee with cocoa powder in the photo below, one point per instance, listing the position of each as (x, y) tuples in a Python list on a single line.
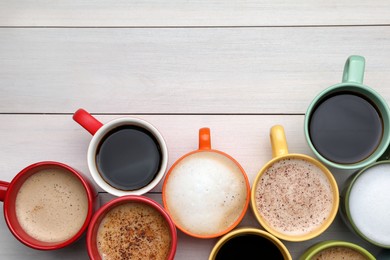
[(294, 196), (133, 231), (337, 253)]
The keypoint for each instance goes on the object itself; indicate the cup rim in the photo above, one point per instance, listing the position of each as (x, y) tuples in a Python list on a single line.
[(317, 248), (385, 141), (96, 139), (235, 223), (346, 202), (96, 219), (250, 230), (49, 245), (316, 232)]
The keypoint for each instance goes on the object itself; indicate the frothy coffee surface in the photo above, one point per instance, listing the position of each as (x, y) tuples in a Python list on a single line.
[(294, 196), (52, 205), (339, 253), (133, 231), (369, 203), (206, 193)]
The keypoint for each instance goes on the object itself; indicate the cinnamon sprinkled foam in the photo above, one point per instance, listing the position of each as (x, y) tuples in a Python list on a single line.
[(133, 231), (294, 197)]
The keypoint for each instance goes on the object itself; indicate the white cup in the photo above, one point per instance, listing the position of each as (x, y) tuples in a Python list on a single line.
[(100, 131)]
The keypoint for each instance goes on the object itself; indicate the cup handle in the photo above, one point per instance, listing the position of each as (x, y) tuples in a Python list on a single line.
[(278, 141), (3, 189), (87, 121), (204, 139), (354, 69)]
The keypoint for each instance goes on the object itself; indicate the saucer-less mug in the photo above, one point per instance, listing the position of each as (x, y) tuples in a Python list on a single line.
[(48, 205), (347, 124), (126, 156), (294, 196)]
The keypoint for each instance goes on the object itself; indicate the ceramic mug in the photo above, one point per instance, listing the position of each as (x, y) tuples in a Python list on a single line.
[(333, 249), (48, 205), (206, 191), (131, 227), (294, 197), (247, 243), (126, 156), (365, 203), (347, 124)]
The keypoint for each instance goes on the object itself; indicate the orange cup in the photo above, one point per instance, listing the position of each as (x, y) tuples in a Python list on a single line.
[(206, 192)]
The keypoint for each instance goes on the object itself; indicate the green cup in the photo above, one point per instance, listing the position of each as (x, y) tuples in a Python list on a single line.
[(341, 248), (364, 203), (336, 121)]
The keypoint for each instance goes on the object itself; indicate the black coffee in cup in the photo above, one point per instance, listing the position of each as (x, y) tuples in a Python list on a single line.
[(128, 157), (249, 246), (345, 127)]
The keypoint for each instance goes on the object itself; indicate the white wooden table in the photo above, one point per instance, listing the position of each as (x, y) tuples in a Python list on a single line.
[(238, 67)]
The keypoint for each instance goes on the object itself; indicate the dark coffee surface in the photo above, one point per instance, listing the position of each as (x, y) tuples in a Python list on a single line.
[(345, 128), (249, 247), (128, 158)]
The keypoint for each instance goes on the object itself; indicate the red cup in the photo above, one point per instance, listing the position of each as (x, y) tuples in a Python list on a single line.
[(93, 251), (9, 192)]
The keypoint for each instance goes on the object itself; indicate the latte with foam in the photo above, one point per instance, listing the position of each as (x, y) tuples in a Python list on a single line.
[(52, 205), (337, 253), (205, 193), (294, 196), (369, 203)]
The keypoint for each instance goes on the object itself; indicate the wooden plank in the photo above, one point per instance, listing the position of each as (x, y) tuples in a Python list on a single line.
[(193, 13), (185, 70)]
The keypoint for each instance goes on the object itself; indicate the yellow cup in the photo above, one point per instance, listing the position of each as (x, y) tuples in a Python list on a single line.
[(294, 209), (258, 248)]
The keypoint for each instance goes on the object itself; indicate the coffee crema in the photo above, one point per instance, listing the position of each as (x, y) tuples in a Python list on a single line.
[(133, 231), (205, 193), (294, 196), (51, 205), (337, 253)]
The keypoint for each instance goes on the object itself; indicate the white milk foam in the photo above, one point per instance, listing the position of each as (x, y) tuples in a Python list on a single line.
[(369, 203), (206, 193), (51, 205)]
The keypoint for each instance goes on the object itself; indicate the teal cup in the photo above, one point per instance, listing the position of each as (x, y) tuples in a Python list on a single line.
[(333, 249), (347, 125)]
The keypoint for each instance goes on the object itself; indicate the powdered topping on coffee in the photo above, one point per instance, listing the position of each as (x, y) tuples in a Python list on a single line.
[(133, 231), (52, 205), (294, 196), (339, 253), (206, 193)]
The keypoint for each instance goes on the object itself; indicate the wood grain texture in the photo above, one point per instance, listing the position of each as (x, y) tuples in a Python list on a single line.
[(192, 13), (186, 70)]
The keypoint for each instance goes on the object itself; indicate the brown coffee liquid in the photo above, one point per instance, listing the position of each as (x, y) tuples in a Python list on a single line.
[(133, 231), (128, 157), (345, 128), (337, 253)]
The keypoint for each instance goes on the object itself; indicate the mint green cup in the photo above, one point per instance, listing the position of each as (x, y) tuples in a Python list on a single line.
[(325, 245), (352, 83)]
